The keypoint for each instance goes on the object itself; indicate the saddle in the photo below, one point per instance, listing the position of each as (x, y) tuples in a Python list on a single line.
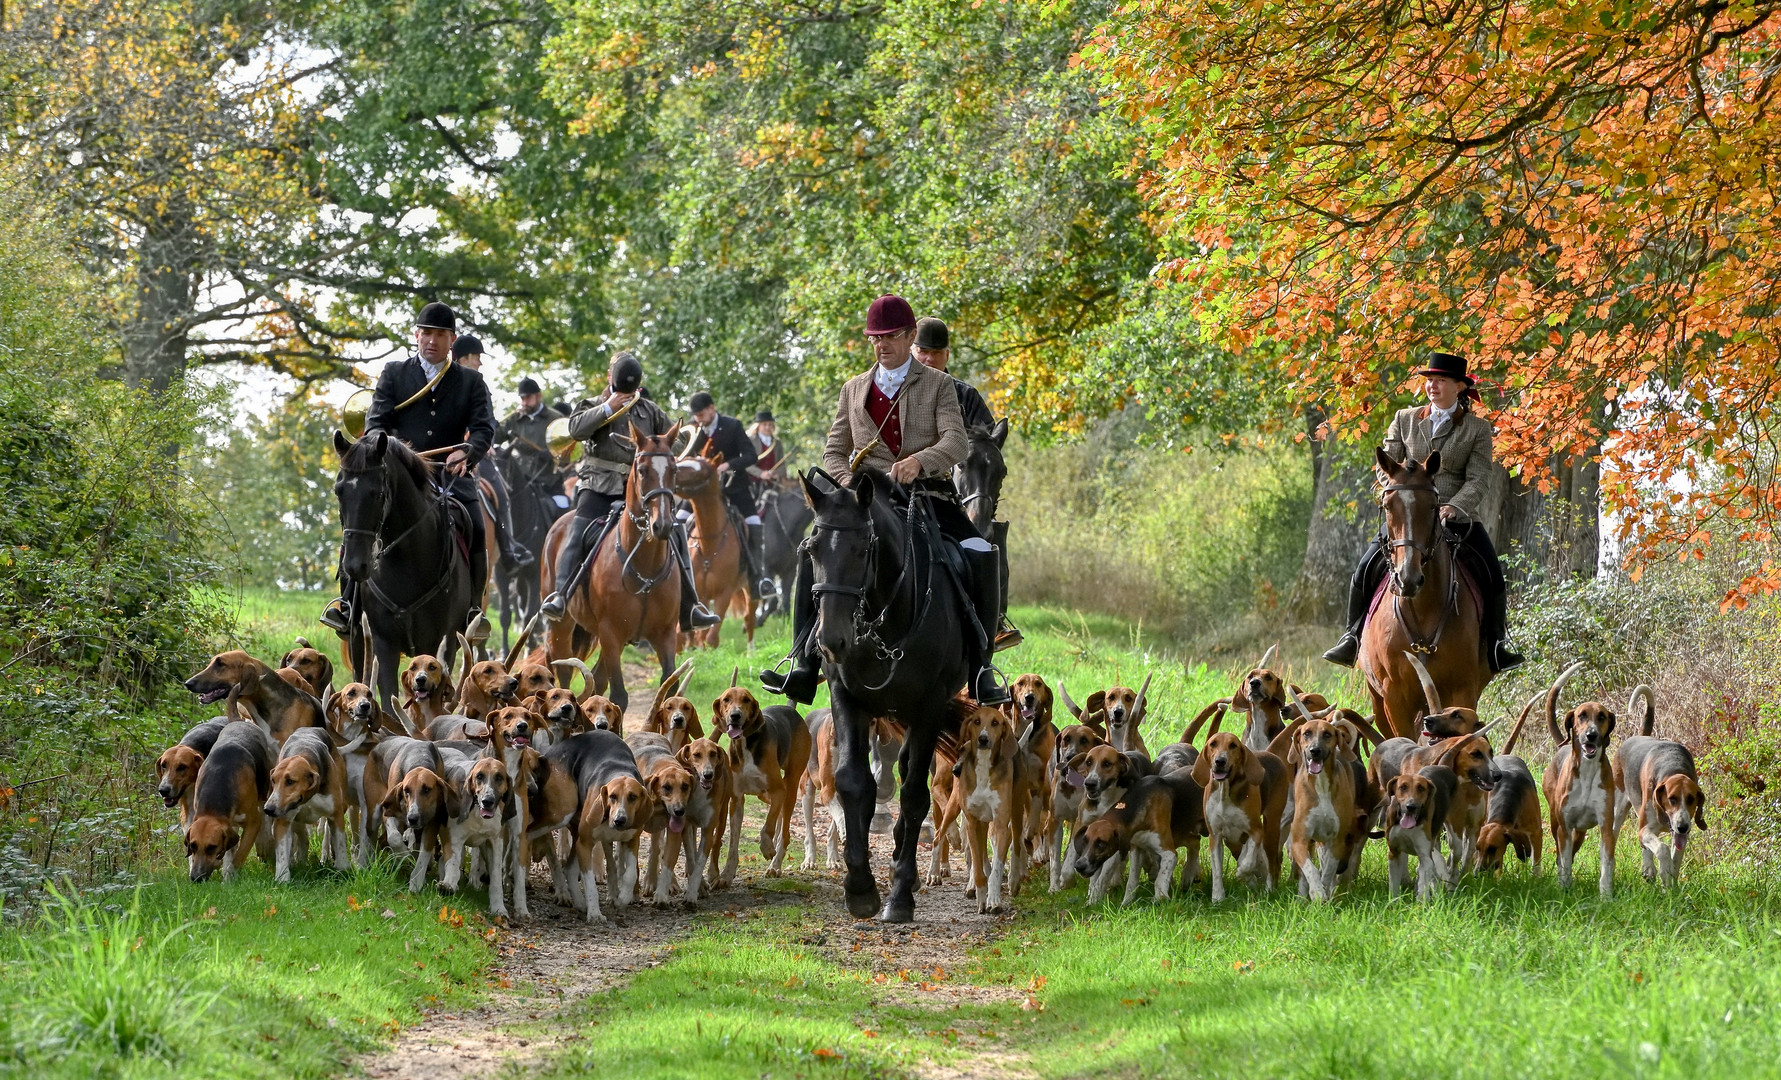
[(1467, 576), (462, 522)]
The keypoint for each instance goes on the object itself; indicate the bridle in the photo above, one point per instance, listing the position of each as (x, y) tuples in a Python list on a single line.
[(380, 546), (867, 629), (640, 521), (1427, 551)]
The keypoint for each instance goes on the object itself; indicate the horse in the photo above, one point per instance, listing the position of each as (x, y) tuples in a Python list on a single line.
[(632, 591), (719, 573), (786, 518), (892, 640), (979, 477), (534, 509), (1431, 613), (414, 587)]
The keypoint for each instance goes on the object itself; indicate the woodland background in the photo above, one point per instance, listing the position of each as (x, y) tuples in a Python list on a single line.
[(1192, 252)]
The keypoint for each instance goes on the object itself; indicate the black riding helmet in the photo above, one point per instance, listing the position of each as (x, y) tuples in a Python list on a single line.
[(626, 372)]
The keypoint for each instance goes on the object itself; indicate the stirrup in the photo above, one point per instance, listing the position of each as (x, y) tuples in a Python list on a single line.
[(1344, 652), (553, 606), (1503, 658), (699, 617), (767, 589), (988, 688), (799, 684), (1007, 637), (334, 616)]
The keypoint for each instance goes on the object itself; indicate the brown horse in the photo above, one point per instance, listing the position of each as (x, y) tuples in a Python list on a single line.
[(632, 592), (1427, 609), (719, 572)]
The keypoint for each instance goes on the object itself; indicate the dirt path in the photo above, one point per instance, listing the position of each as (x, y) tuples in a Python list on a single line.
[(554, 958)]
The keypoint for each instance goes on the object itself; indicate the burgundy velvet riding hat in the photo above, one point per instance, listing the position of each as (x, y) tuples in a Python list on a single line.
[(1449, 366), (889, 314)]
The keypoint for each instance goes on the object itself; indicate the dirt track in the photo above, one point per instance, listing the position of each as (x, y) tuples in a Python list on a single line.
[(555, 958)]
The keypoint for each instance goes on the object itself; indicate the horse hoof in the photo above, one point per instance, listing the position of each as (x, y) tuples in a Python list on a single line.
[(863, 905), (898, 911)]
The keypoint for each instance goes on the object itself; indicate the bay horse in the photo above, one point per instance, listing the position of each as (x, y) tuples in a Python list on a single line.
[(720, 575), (412, 581), (890, 634), (1426, 610), (785, 518), (632, 591)]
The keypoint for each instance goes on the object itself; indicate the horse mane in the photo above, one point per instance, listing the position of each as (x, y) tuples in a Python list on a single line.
[(419, 469)]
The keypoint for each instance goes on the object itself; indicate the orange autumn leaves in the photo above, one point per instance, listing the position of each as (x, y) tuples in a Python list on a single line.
[(1582, 196)]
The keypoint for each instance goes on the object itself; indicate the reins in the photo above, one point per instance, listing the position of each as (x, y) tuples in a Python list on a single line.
[(1427, 551), (403, 611), (640, 521)]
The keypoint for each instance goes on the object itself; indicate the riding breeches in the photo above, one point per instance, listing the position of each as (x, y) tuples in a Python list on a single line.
[(592, 508), (465, 490)]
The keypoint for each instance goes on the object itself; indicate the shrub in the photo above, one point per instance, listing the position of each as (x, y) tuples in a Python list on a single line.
[(1172, 539)]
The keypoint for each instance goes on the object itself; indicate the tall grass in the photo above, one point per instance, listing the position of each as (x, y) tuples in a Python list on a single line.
[(107, 983), (1177, 541)]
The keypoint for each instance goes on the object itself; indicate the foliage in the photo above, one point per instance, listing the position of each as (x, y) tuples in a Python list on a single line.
[(1177, 540), (807, 158), (1573, 193), (270, 483)]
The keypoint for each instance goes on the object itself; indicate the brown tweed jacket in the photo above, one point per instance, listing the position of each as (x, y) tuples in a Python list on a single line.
[(933, 428), (1467, 478)]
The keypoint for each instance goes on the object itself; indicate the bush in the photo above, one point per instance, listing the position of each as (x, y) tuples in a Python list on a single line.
[(1176, 540)]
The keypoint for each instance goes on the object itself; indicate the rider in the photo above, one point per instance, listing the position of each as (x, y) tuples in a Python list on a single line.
[(933, 347), (1466, 482), (909, 426), (526, 431), (430, 403), (607, 456), (724, 435), (467, 351), (769, 457)]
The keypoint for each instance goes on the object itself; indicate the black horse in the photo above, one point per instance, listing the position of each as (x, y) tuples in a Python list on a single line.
[(890, 633), (410, 577), (979, 477), (786, 518), (534, 508)]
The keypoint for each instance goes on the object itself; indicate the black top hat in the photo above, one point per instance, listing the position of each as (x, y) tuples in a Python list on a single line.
[(466, 345), (765, 416), (931, 333), (1448, 365), (529, 386), (438, 316), (700, 402)]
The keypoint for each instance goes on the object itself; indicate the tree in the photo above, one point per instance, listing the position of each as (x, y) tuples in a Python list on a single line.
[(1573, 193)]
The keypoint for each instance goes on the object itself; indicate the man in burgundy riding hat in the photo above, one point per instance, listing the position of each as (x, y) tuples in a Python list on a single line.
[(1467, 484), (431, 402), (905, 417)]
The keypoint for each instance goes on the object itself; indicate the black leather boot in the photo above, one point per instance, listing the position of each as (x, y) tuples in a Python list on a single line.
[(575, 550), (1360, 593), (754, 542), (1496, 630), (334, 615), (1007, 635), (694, 615), (986, 587), (514, 554), (799, 684)]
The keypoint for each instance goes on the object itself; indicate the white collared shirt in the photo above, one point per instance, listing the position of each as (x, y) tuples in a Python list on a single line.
[(711, 432), (1441, 419), (430, 369), (890, 380)]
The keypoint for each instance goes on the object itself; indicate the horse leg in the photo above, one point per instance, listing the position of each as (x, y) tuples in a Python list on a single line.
[(857, 791), (915, 801), (610, 673), (387, 674)]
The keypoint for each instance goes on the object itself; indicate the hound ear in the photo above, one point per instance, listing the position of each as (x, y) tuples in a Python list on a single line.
[(230, 840), (685, 757), (999, 433), (597, 805), (1097, 702), (1609, 713), (1570, 723), (456, 806), (1386, 463), (1077, 763), (1700, 812), (1253, 772), (392, 799), (1292, 751)]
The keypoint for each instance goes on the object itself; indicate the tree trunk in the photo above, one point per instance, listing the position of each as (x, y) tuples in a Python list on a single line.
[(1555, 535), (1342, 522), (155, 337)]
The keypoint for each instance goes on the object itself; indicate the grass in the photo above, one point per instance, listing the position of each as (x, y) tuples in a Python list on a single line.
[(1512, 977)]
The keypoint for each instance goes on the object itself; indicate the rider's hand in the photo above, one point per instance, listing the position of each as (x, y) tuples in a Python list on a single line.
[(723, 466), (1448, 513), (458, 463), (906, 471), (616, 401)]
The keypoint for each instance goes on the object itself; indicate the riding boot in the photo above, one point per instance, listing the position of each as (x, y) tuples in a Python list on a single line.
[(514, 554), (694, 615), (334, 615), (1007, 635), (986, 588), (1360, 594), (1496, 630), (575, 550), (799, 684), (765, 587)]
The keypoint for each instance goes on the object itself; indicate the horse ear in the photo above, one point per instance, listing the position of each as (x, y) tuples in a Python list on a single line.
[(379, 443), (999, 433), (813, 495), (342, 444), (673, 432), (1433, 464), (1387, 464)]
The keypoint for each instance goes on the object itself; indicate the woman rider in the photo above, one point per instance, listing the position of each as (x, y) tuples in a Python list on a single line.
[(1467, 484)]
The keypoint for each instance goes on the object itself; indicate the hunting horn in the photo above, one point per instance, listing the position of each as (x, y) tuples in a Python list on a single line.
[(1429, 692)]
